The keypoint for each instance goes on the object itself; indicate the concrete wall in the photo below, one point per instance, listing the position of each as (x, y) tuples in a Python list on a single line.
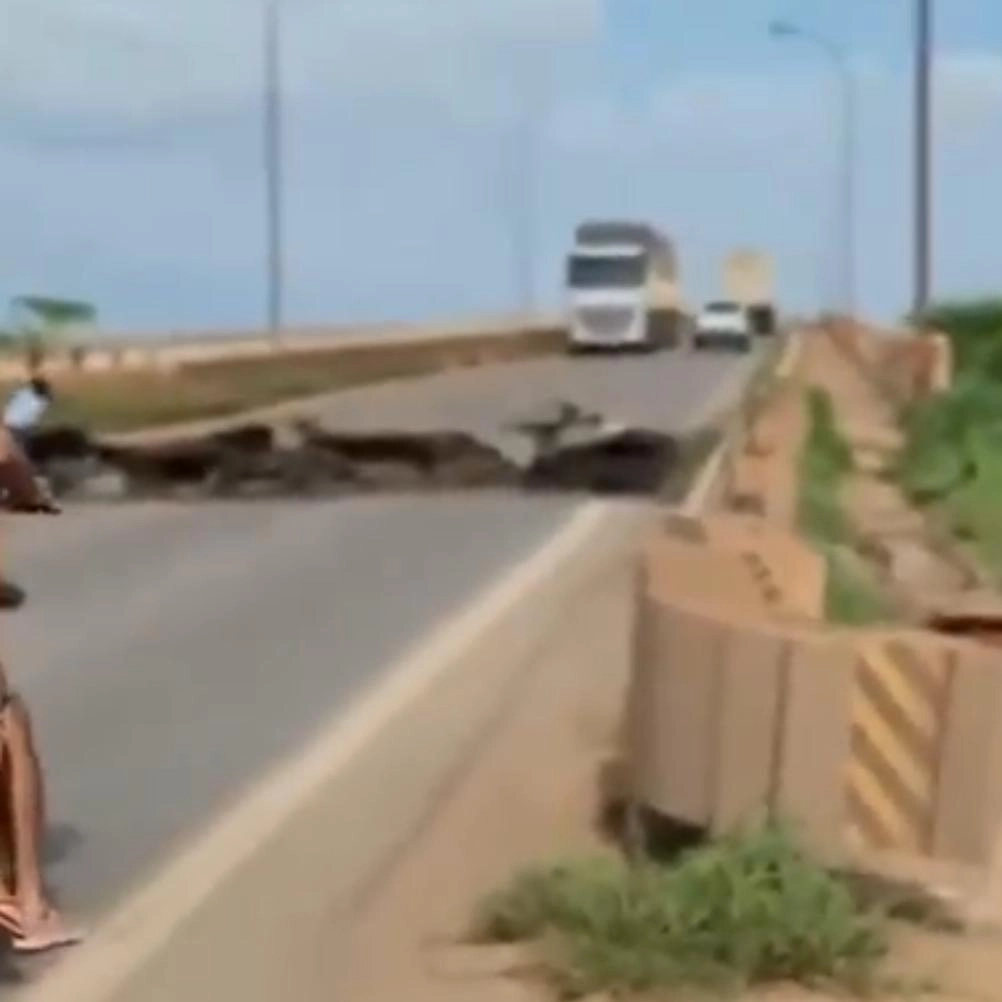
[(884, 740), (165, 354), (904, 364)]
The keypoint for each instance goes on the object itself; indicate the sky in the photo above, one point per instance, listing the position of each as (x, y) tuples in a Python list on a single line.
[(420, 133)]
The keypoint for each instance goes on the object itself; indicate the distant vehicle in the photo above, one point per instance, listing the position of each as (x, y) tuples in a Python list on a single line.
[(723, 323), (622, 288), (749, 280)]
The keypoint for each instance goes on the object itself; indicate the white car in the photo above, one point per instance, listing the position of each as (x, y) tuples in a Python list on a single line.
[(723, 323)]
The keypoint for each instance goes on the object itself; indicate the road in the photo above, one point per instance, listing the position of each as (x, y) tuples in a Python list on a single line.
[(666, 392), (170, 653)]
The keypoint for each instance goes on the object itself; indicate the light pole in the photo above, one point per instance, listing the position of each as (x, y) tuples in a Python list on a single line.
[(847, 144), (274, 221), (923, 158)]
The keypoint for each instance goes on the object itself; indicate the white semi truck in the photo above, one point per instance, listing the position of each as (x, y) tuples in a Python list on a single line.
[(622, 287)]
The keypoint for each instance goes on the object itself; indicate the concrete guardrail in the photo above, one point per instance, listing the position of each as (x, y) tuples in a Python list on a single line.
[(158, 353), (885, 740)]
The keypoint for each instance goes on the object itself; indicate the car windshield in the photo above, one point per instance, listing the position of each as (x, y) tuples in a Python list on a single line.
[(587, 271), (723, 308)]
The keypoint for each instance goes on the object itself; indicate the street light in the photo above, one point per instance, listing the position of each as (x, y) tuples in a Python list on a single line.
[(847, 179), (923, 158), (272, 133)]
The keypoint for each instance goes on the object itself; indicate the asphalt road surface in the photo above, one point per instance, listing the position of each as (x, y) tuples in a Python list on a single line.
[(666, 391), (170, 653)]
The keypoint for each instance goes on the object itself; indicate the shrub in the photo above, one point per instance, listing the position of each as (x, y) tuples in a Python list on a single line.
[(747, 909), (975, 329)]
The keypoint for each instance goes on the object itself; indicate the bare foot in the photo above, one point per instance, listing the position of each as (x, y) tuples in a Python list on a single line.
[(48, 932)]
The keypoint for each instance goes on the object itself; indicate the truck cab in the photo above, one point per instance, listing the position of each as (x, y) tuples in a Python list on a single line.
[(606, 289)]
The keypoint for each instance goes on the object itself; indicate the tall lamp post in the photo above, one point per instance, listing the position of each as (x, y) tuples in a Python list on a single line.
[(847, 145), (923, 158), (274, 221)]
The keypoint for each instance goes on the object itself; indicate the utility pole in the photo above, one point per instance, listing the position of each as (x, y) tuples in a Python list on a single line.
[(274, 221), (923, 158), (849, 153)]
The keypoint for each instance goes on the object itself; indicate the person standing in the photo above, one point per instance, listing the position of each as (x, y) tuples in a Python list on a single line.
[(23, 413), (27, 915), (26, 408)]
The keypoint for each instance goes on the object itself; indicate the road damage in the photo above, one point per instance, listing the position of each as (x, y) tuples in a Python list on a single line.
[(559, 447)]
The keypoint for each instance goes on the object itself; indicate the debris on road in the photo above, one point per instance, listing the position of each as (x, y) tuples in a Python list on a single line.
[(571, 450)]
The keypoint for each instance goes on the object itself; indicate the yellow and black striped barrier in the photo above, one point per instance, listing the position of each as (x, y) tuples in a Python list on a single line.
[(898, 707)]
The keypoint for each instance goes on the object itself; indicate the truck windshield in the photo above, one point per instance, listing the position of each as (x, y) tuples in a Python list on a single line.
[(592, 272)]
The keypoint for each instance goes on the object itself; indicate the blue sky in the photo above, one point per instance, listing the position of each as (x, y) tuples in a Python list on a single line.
[(129, 134)]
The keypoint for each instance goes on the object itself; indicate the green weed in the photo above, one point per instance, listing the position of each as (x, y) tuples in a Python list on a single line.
[(853, 596), (748, 909), (825, 460)]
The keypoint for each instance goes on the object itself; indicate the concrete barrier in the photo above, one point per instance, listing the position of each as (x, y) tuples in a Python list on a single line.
[(898, 704), (166, 354), (870, 740), (724, 479), (904, 364)]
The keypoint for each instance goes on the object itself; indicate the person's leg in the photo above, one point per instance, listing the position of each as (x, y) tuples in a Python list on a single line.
[(35, 924), (10, 912)]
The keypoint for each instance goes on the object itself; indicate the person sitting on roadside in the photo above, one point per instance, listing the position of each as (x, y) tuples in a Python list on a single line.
[(23, 413), (26, 408), (26, 913)]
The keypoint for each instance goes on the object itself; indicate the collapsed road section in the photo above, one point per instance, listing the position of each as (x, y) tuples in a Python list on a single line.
[(568, 449), (602, 426)]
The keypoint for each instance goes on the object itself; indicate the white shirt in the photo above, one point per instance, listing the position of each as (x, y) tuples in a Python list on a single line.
[(24, 409)]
